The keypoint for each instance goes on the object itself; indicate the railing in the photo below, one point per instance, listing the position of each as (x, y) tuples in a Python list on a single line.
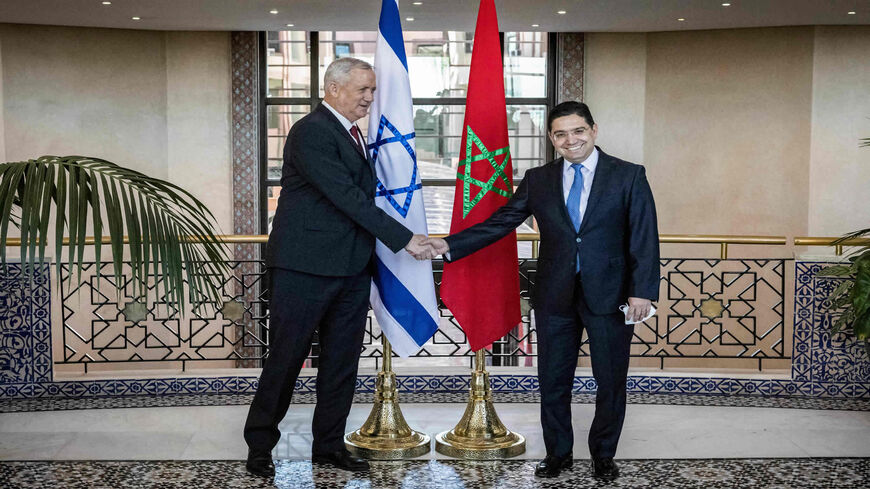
[(829, 241), (726, 308)]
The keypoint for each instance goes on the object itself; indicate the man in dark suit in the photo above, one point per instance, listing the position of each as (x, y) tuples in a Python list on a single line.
[(320, 256), (599, 249)]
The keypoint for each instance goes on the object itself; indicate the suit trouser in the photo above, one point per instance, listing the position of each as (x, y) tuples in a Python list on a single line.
[(300, 304), (559, 339)]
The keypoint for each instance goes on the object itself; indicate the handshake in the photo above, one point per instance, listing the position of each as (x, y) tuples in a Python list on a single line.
[(423, 247)]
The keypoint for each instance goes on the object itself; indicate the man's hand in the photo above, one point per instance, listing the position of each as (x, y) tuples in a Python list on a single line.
[(439, 245), (637, 308), (419, 249)]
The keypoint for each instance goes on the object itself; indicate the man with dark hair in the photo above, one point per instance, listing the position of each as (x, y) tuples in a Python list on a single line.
[(320, 255), (599, 249)]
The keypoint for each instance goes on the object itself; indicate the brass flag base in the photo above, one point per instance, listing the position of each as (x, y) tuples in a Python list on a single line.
[(480, 434), (386, 435)]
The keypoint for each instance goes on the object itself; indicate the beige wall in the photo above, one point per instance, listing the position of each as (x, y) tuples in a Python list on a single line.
[(749, 131), (2, 123), (839, 199), (615, 88), (157, 102), (198, 118)]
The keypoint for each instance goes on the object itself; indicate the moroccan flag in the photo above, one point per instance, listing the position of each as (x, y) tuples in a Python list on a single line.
[(482, 290)]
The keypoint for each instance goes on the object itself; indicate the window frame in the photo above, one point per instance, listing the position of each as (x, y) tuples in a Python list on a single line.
[(313, 98)]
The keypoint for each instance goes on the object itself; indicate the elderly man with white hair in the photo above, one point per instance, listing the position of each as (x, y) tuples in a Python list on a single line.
[(320, 257)]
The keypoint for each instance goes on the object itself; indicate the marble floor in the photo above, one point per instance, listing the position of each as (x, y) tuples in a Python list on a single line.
[(215, 432), (842, 473), (716, 445)]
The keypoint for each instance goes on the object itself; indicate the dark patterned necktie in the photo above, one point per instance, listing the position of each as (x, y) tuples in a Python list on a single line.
[(356, 138)]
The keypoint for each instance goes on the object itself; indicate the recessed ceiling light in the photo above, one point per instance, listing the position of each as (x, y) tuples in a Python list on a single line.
[(273, 11), (137, 18), (418, 3), (851, 12), (107, 3), (409, 19), (290, 25), (536, 25), (561, 12), (726, 4), (681, 19)]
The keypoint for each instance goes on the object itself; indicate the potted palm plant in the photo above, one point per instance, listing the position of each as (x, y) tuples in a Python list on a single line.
[(851, 298), (164, 228)]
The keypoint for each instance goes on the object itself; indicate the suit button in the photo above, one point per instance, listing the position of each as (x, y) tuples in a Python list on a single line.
[(578, 240)]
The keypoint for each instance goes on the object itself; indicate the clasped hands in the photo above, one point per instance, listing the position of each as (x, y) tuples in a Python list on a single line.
[(423, 247)]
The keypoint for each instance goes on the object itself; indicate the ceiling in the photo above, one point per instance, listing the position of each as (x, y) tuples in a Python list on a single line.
[(460, 15)]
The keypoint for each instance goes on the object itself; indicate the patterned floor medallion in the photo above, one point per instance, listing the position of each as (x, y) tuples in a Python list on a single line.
[(52, 404), (676, 474)]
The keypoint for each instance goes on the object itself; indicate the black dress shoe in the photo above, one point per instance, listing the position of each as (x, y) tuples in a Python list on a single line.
[(260, 463), (551, 466), (605, 468), (341, 459)]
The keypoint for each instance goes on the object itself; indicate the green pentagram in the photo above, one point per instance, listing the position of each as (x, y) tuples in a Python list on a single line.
[(467, 202)]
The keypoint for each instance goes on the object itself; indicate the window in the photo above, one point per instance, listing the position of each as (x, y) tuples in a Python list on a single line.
[(438, 66)]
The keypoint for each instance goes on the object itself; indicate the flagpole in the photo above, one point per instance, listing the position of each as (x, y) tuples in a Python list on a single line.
[(386, 435), (480, 434)]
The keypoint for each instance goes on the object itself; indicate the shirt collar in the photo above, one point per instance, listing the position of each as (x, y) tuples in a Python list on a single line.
[(344, 121), (589, 163)]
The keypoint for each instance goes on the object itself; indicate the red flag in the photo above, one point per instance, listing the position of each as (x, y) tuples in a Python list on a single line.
[(482, 290)]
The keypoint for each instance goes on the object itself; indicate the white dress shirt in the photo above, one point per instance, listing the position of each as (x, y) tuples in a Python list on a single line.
[(346, 123), (588, 171)]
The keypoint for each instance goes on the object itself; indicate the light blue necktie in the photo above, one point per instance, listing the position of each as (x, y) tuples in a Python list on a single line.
[(573, 202)]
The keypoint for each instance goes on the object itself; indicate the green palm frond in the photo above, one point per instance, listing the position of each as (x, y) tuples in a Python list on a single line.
[(850, 300), (858, 251), (166, 226)]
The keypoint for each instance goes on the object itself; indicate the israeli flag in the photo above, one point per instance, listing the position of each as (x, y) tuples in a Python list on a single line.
[(403, 293)]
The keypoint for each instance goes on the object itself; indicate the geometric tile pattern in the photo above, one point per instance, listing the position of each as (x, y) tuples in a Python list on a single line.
[(522, 397), (717, 308), (842, 375), (727, 309), (246, 172), (245, 138), (447, 474), (96, 328), (747, 321), (569, 71), (829, 362), (25, 324)]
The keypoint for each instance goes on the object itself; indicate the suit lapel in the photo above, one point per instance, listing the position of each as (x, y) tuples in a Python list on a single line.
[(346, 135), (599, 183)]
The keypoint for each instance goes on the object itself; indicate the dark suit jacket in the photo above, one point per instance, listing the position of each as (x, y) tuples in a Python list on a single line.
[(618, 240), (326, 221)]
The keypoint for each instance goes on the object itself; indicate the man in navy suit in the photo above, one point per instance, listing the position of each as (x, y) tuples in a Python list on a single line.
[(599, 249), (320, 255)]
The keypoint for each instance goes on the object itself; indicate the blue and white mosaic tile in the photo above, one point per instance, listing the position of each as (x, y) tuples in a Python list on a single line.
[(823, 366), (25, 325)]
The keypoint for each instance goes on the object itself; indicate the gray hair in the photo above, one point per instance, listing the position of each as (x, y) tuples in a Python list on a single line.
[(339, 70)]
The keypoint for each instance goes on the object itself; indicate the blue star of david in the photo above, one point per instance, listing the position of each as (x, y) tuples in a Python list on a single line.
[(382, 190)]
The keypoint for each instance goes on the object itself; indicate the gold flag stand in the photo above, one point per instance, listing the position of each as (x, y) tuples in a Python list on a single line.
[(480, 435), (386, 435)]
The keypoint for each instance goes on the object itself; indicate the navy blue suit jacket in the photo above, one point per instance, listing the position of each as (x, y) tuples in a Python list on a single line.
[(618, 241), (327, 221)]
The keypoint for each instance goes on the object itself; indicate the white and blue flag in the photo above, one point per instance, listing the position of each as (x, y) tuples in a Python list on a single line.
[(403, 293)]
